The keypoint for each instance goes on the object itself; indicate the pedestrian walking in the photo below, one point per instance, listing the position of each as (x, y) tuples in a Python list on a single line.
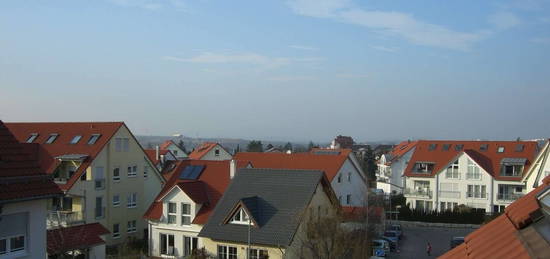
[(429, 249)]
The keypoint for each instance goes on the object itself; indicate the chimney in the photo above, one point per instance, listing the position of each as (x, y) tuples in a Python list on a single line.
[(162, 160), (157, 153), (232, 168)]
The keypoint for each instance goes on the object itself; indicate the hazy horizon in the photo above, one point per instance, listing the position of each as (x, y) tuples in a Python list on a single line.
[(294, 70)]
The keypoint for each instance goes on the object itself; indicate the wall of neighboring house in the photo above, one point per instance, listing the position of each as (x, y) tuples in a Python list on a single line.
[(454, 190), (539, 169), (211, 246), (397, 170), (178, 229), (176, 151), (146, 188), (211, 155), (412, 194), (355, 186), (25, 218)]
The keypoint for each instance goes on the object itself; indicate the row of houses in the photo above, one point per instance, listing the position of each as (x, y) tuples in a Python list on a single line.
[(103, 190), (484, 175)]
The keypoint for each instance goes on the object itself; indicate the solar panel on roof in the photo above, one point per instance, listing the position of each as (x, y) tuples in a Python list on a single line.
[(196, 172), (186, 172), (191, 172)]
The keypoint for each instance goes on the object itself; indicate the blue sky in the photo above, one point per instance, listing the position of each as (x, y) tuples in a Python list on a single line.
[(281, 70)]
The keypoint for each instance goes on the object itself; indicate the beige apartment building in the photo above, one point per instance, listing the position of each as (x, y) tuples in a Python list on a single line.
[(103, 171)]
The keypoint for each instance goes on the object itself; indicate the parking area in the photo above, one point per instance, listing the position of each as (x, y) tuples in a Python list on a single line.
[(413, 244)]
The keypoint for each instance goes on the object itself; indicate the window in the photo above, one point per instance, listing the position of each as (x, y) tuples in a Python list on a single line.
[(448, 206), (145, 171), (349, 177), (189, 244), (186, 214), (476, 191), (93, 139), (166, 244), (116, 200), (217, 152), (116, 230), (432, 147), (348, 199), (51, 138), (484, 147), (132, 171), (500, 150), (339, 178), (116, 174), (175, 152), (473, 171), (99, 209), (423, 167), (172, 213), (12, 244), (131, 226), (519, 147), (76, 139), (511, 170), (122, 144), (132, 200), (459, 147), (240, 217), (31, 138), (452, 171), (99, 178), (258, 254), (227, 252), (446, 147)]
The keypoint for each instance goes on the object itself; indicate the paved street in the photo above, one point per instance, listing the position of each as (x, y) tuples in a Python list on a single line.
[(413, 244)]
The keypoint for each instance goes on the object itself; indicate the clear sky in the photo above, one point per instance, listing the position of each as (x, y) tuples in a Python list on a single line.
[(286, 70)]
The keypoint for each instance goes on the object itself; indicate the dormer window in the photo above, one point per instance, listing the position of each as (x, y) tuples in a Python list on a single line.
[(76, 139), (512, 166), (32, 137), (93, 139), (500, 150), (423, 167), (432, 147), (240, 217), (186, 214), (52, 138), (446, 147), (459, 147)]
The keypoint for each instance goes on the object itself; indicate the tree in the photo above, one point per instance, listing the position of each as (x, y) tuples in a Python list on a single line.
[(288, 146), (255, 146), (182, 146), (369, 164)]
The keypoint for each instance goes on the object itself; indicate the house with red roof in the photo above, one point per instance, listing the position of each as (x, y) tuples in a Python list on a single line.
[(210, 151), (340, 165), (160, 157), (176, 150), (185, 203), (389, 176), (104, 173), (25, 189), (483, 175), (540, 168), (521, 232)]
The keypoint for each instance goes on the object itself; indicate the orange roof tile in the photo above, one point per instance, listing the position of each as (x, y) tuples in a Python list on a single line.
[(490, 159), (202, 150), (402, 148), (329, 163), (76, 237)]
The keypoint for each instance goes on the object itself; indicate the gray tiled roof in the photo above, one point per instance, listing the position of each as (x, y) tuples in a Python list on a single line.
[(276, 198)]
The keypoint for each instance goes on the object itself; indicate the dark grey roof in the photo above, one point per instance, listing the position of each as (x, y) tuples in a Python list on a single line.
[(513, 161), (276, 199)]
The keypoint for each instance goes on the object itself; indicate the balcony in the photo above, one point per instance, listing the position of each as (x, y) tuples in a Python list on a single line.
[(64, 218), (420, 193), (449, 194), (509, 197)]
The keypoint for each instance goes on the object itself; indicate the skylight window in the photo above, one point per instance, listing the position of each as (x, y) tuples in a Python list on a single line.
[(520, 147), (32, 137), (76, 139), (93, 139), (446, 147), (500, 149), (484, 147), (52, 138), (459, 147), (432, 147)]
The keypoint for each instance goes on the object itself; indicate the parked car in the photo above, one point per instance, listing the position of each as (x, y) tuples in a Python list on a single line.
[(456, 241), (380, 247), (393, 245), (396, 228), (391, 235)]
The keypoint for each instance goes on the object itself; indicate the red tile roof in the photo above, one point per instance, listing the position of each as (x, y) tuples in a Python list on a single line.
[(202, 150), (499, 238), (70, 238), (21, 177), (329, 163), (402, 148), (490, 159), (61, 146), (152, 154), (207, 189)]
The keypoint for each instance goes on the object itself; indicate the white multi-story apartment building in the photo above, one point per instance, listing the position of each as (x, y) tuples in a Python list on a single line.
[(104, 173), (389, 176), (484, 175)]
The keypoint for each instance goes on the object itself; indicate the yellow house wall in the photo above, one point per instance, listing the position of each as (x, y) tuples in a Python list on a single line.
[(211, 247)]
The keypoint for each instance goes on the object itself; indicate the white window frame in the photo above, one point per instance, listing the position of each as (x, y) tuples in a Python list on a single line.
[(116, 234), (453, 171), (131, 226), (184, 215), (132, 200), (173, 214), (226, 254), (255, 253), (75, 139), (193, 244), (167, 240), (474, 172), (51, 138), (116, 202), (132, 171), (93, 139), (19, 252), (473, 190), (240, 217), (115, 177)]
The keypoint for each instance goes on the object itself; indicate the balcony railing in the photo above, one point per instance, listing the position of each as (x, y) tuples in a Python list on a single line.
[(509, 197), (418, 193), (477, 195), (64, 218), (449, 194)]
